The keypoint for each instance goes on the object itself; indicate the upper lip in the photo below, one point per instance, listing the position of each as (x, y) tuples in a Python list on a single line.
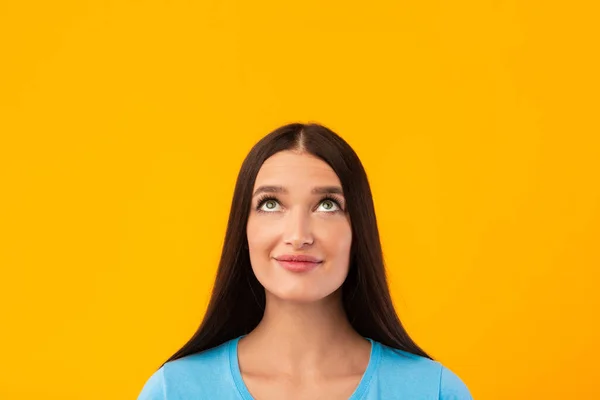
[(297, 258)]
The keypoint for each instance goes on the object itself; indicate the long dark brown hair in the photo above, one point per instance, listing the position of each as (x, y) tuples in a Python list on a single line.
[(237, 302)]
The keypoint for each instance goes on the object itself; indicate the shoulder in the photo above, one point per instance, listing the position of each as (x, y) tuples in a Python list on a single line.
[(189, 376), (422, 375), (452, 387), (154, 388)]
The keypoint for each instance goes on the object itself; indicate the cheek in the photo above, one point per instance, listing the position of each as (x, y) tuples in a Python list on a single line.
[(344, 235), (260, 235), (338, 243)]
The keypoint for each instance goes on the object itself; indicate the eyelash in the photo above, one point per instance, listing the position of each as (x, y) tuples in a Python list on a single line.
[(266, 198)]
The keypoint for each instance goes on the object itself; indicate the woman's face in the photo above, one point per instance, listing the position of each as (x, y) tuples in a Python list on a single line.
[(298, 208)]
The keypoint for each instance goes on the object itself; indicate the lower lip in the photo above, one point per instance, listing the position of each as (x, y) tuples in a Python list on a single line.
[(297, 266)]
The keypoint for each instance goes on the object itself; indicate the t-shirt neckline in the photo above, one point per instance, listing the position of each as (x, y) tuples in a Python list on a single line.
[(361, 389)]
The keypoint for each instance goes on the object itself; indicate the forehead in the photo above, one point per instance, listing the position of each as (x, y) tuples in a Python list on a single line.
[(289, 168)]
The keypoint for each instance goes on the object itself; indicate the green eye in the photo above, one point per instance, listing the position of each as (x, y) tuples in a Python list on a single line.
[(269, 204), (330, 205)]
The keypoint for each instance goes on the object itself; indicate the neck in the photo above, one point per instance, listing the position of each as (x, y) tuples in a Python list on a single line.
[(299, 336)]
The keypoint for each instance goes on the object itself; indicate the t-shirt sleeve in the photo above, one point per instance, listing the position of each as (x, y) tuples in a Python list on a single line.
[(452, 387), (154, 388)]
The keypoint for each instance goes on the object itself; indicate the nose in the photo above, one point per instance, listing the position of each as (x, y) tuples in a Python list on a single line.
[(298, 232)]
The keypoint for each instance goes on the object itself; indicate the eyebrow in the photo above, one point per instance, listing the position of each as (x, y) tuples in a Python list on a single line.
[(315, 190)]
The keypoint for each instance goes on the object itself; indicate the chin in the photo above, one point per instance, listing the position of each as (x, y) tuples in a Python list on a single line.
[(313, 287), (301, 295), (297, 297)]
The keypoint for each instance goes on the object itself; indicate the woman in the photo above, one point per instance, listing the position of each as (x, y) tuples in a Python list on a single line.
[(300, 308)]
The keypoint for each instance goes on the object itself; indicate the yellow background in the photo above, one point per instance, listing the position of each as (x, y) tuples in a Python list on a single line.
[(123, 125)]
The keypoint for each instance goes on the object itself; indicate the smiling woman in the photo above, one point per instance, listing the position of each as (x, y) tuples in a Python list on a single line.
[(305, 219), (301, 308)]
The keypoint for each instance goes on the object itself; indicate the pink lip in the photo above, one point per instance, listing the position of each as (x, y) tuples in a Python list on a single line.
[(297, 258), (298, 263)]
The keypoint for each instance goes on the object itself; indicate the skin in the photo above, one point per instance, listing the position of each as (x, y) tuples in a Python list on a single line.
[(304, 347)]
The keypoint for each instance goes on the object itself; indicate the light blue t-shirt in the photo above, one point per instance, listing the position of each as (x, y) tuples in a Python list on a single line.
[(390, 375)]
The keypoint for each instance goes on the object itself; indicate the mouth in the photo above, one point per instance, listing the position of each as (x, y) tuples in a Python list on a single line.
[(298, 265)]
